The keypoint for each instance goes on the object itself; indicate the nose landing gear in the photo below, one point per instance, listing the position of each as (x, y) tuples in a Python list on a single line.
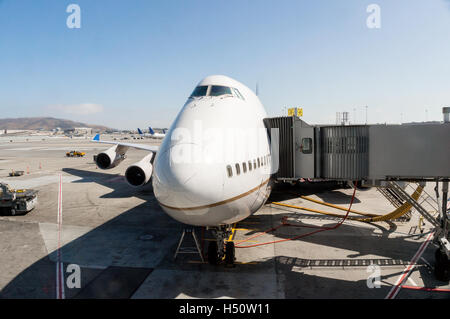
[(221, 250)]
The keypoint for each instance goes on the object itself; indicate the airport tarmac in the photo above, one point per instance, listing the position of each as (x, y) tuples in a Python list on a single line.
[(124, 243)]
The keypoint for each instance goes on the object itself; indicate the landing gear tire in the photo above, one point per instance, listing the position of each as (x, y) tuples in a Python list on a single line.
[(213, 253), (442, 266), (229, 254), (217, 248)]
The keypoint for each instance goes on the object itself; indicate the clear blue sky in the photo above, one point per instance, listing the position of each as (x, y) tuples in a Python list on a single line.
[(133, 63)]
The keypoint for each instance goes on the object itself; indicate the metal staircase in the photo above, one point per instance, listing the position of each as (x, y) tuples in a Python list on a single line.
[(391, 196), (397, 196), (395, 199), (425, 197), (406, 197)]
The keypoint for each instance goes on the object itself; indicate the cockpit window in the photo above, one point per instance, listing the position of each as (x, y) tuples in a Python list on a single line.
[(200, 91), (217, 90), (238, 94)]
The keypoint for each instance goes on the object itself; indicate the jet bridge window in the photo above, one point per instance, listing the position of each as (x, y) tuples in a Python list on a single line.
[(306, 146), (200, 91), (217, 90)]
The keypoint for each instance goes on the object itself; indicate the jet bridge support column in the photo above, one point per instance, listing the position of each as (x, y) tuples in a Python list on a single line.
[(442, 237)]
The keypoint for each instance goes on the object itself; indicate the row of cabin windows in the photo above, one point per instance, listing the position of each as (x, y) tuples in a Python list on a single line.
[(247, 167)]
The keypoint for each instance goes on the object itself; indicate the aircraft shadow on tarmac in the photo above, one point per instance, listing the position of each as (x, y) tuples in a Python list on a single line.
[(120, 189), (119, 255)]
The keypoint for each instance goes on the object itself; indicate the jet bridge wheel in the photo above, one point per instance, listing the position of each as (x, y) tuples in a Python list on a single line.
[(442, 266)]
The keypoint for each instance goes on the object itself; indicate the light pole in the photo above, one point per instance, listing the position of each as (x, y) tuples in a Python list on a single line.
[(366, 112)]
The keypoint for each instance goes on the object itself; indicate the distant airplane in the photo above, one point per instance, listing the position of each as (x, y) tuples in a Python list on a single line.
[(156, 135), (142, 134), (201, 192), (151, 133)]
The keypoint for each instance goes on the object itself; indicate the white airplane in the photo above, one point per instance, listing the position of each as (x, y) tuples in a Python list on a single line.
[(151, 133), (156, 135), (207, 171)]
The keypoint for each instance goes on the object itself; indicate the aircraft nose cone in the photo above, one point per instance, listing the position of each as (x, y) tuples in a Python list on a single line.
[(181, 181)]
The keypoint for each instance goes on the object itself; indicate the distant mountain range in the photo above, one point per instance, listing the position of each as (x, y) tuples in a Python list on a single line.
[(44, 123)]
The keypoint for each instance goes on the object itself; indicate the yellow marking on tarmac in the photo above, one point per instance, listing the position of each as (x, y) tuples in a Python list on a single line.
[(400, 211)]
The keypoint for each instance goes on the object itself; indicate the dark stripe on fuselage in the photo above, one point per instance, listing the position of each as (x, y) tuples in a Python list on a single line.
[(218, 203)]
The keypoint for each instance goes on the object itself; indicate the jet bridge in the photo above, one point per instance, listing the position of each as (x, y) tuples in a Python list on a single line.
[(374, 155), (419, 152)]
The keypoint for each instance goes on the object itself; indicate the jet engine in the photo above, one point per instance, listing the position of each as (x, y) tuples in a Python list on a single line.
[(111, 157), (140, 173)]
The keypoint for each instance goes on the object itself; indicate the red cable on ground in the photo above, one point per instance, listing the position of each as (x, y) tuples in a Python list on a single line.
[(426, 289), (321, 229)]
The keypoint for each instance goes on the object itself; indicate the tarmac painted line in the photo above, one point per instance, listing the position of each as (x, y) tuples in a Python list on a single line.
[(412, 281), (34, 182), (398, 284), (59, 265)]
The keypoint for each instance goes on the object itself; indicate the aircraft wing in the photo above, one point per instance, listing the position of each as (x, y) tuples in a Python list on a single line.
[(150, 148)]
